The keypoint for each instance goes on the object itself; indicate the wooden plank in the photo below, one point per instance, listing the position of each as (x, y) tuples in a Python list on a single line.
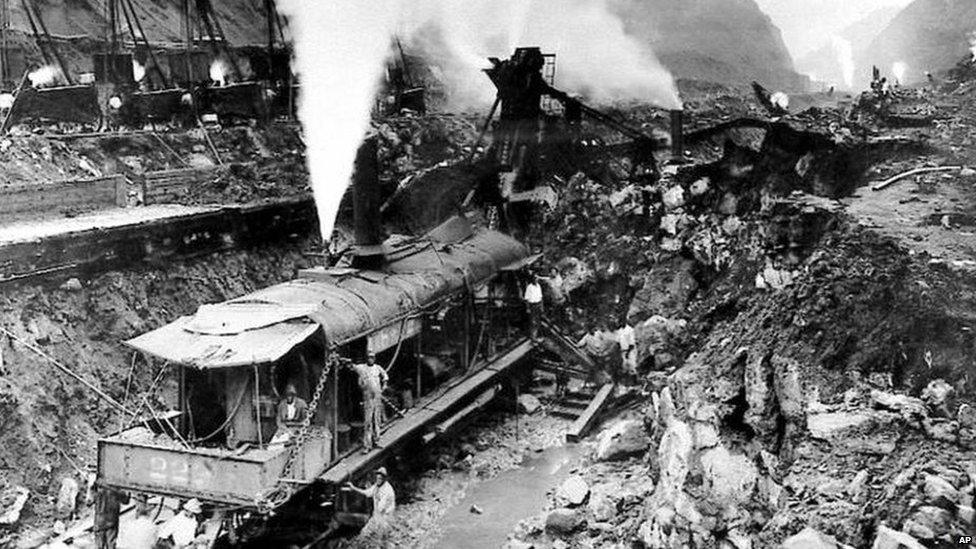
[(583, 423), (434, 411)]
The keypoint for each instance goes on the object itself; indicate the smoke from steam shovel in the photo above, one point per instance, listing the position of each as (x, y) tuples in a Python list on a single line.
[(341, 46)]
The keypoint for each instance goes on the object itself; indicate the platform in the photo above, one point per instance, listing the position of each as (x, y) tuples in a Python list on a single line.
[(110, 238), (435, 409)]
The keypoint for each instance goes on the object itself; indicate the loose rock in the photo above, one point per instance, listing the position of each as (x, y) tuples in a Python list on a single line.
[(887, 538), (573, 491), (528, 404), (622, 440), (808, 538), (564, 521)]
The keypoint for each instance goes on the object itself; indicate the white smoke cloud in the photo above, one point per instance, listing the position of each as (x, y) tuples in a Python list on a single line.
[(595, 56), (219, 70), (899, 69), (138, 71), (845, 59), (341, 48), (44, 76), (972, 44)]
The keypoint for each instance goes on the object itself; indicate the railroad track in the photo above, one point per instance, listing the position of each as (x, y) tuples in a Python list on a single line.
[(202, 231)]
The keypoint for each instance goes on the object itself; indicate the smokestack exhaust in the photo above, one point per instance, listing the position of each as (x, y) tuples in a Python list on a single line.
[(367, 221), (677, 134)]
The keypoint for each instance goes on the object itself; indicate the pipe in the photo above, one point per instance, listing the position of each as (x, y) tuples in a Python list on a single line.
[(677, 134), (367, 222)]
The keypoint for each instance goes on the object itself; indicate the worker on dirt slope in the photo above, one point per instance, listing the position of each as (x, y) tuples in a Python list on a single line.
[(291, 409), (600, 344), (181, 530), (533, 302), (384, 498), (372, 382), (628, 351)]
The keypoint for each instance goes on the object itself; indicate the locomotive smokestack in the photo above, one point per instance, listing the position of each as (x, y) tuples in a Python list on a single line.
[(367, 222), (677, 134)]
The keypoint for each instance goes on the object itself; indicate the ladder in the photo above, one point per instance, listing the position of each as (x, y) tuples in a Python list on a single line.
[(549, 105)]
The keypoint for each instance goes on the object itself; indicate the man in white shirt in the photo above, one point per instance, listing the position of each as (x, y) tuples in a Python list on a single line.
[(181, 530), (372, 382), (384, 498), (628, 351), (533, 301)]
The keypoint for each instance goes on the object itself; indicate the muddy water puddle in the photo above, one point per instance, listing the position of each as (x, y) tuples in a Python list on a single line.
[(506, 499)]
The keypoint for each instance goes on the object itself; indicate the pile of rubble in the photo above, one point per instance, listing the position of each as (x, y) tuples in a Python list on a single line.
[(878, 468)]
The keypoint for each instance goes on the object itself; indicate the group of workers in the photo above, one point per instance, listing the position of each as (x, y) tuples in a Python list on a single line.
[(601, 344), (182, 530), (373, 381)]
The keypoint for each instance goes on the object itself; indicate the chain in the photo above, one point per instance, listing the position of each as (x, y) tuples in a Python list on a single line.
[(307, 420), (283, 491)]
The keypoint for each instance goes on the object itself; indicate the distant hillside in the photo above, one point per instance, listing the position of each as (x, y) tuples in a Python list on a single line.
[(928, 35), (242, 20), (725, 41), (824, 64)]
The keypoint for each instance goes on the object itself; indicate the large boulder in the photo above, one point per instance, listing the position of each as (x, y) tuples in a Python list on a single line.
[(808, 538), (572, 492), (528, 404), (886, 538), (929, 522), (729, 478), (939, 490), (622, 440), (910, 408), (604, 501), (833, 425), (564, 522), (674, 454)]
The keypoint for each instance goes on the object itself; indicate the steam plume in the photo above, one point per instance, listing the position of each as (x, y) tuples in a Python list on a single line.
[(845, 59), (341, 47), (44, 76), (899, 69), (595, 56), (138, 71)]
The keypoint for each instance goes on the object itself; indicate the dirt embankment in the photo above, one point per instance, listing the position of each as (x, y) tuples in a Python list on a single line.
[(806, 367), (50, 422)]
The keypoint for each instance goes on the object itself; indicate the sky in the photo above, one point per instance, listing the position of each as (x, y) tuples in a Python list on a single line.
[(808, 24)]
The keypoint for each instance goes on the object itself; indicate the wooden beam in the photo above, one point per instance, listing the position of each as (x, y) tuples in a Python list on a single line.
[(585, 422)]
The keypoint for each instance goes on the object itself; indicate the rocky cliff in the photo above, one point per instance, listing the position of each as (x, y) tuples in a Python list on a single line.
[(726, 41), (929, 35)]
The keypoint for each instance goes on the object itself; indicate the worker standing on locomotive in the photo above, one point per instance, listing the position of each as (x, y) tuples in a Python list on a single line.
[(372, 381)]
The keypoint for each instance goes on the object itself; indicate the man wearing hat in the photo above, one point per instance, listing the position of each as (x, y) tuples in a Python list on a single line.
[(181, 530), (372, 381), (384, 498), (291, 409)]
